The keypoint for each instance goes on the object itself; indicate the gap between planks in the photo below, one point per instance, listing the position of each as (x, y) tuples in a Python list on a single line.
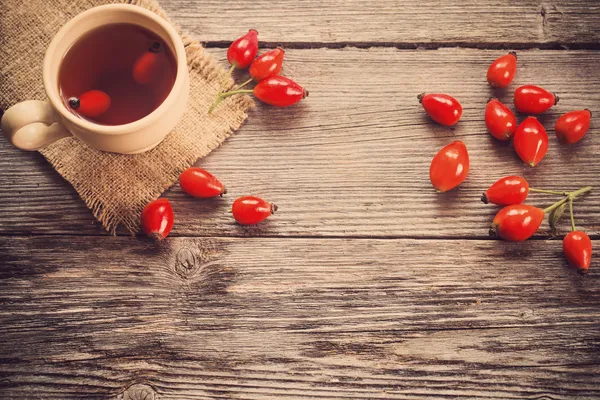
[(223, 44), (339, 237)]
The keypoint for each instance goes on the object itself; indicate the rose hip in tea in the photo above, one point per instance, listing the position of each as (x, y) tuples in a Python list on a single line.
[(116, 74)]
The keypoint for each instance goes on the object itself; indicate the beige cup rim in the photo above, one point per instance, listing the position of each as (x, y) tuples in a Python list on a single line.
[(52, 90)]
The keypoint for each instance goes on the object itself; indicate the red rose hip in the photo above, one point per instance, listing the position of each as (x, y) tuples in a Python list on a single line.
[(577, 247), (267, 64), (502, 71), (517, 222), (531, 141), (200, 183), (506, 191), (449, 167), (572, 126), (499, 120), (91, 104), (279, 91), (442, 108), (243, 50), (250, 210), (157, 219), (530, 99), (148, 67)]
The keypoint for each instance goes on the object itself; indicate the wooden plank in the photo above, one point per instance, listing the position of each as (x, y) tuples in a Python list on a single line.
[(393, 22), (295, 319), (353, 158)]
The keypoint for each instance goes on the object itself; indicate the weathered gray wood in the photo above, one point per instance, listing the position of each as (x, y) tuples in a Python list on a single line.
[(393, 22), (353, 158), (295, 319)]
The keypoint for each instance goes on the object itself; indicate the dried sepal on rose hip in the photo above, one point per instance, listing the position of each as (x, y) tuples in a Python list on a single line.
[(442, 108), (157, 219), (92, 103), (250, 210), (200, 183), (502, 71), (572, 126), (449, 167), (530, 99)]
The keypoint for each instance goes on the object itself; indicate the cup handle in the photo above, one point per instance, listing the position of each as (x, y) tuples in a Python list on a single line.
[(32, 125)]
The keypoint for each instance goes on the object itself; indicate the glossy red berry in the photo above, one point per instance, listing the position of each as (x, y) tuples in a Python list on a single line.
[(279, 91), (147, 68), (530, 99), (200, 183), (506, 191), (517, 222), (499, 120), (572, 126), (531, 141), (577, 247), (243, 50), (267, 64), (502, 71), (449, 167), (442, 108), (91, 104), (157, 219), (250, 210)]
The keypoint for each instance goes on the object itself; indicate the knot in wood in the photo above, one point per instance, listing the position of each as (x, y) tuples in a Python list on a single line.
[(185, 263), (139, 391)]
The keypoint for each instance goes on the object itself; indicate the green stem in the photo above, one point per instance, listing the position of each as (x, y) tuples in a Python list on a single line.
[(569, 197), (234, 92), (221, 87), (243, 84), (225, 79), (548, 191), (572, 217), (225, 95), (556, 205)]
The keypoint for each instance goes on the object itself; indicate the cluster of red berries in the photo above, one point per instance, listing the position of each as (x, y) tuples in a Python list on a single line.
[(271, 88), (158, 218), (516, 221)]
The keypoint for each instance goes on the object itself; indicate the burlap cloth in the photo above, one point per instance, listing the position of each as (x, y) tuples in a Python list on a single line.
[(115, 187)]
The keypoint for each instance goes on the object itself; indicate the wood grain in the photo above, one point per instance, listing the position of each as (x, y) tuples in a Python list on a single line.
[(429, 23), (353, 158), (256, 318)]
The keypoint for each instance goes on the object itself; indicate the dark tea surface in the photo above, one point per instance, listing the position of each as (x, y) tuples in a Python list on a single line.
[(106, 59)]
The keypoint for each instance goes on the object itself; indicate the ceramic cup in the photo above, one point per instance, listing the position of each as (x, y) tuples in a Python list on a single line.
[(34, 124)]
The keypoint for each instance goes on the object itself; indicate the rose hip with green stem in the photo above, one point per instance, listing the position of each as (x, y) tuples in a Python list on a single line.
[(277, 91)]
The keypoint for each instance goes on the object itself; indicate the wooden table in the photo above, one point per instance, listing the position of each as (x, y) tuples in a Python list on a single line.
[(367, 284)]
